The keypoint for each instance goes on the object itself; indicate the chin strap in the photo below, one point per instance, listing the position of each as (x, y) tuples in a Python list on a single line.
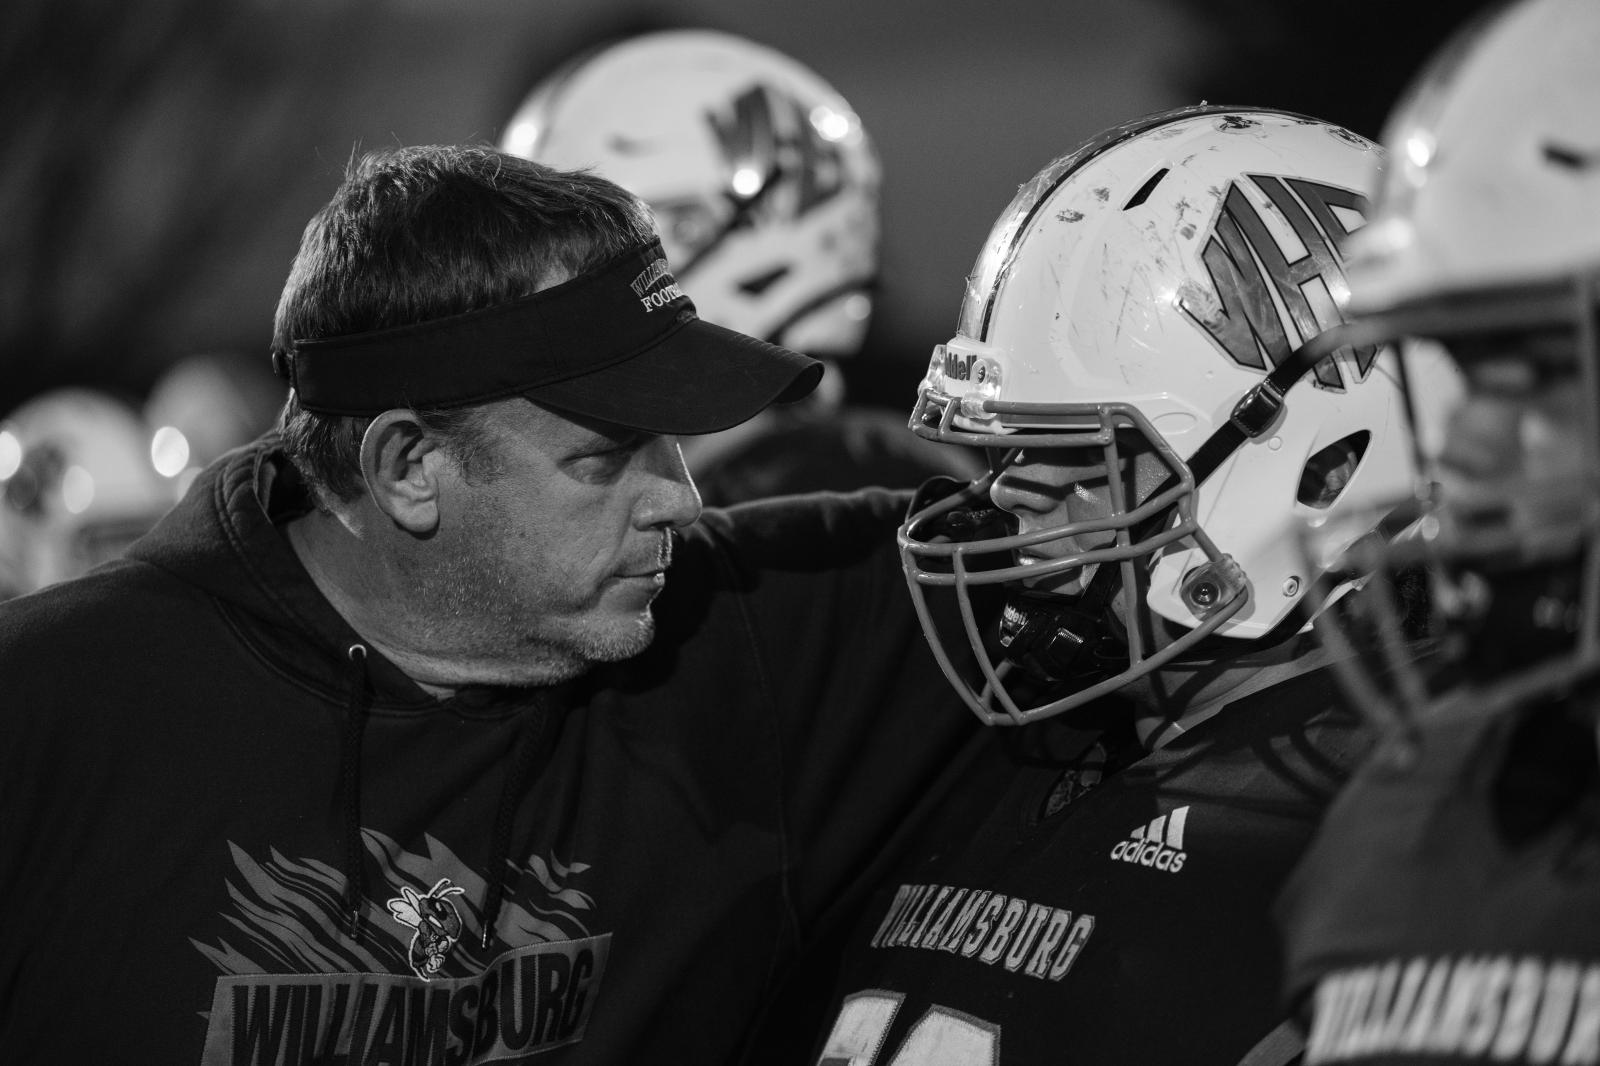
[(1258, 408)]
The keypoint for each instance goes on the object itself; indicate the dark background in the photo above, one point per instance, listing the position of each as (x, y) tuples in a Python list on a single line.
[(161, 157)]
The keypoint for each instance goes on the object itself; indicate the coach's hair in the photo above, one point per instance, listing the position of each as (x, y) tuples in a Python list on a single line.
[(413, 234)]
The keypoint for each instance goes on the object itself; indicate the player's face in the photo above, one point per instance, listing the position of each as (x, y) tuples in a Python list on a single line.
[(1523, 420), (1052, 488), (552, 562)]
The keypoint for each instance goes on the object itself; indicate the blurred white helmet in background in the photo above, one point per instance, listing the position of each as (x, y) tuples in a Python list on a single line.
[(762, 180), (1495, 172), (1485, 240), (77, 486), (203, 406)]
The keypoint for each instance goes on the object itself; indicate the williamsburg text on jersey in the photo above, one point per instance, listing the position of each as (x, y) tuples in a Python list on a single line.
[(1490, 1008), (1034, 939), (1023, 929)]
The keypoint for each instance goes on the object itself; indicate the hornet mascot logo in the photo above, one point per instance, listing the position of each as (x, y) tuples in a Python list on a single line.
[(436, 921)]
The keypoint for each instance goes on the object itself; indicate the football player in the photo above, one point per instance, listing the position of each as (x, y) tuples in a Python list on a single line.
[(765, 189), (1133, 353), (1446, 912)]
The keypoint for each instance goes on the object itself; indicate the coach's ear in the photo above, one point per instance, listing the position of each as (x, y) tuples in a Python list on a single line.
[(401, 463)]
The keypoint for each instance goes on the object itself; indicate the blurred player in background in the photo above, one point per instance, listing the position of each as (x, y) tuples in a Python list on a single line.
[(1132, 352), (84, 474), (765, 191), (77, 486), (1449, 909)]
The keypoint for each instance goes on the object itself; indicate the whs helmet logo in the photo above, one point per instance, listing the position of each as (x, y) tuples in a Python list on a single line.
[(1264, 303), (1158, 844), (766, 135), (436, 921)]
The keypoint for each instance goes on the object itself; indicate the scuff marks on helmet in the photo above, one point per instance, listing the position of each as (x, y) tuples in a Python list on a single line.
[(1198, 301), (1186, 229), (1342, 134)]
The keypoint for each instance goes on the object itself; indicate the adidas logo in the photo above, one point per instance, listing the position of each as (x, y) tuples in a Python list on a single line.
[(1159, 844)]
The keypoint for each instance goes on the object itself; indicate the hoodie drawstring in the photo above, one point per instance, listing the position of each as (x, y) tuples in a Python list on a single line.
[(500, 843), (355, 869), (349, 800)]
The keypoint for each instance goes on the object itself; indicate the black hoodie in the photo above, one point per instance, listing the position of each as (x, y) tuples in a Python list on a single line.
[(230, 832)]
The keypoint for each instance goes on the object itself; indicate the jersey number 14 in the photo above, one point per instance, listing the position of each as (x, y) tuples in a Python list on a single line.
[(941, 1037)]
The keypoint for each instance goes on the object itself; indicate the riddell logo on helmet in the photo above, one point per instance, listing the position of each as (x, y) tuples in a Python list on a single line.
[(957, 367), (1254, 277), (650, 276), (964, 367), (1158, 845)]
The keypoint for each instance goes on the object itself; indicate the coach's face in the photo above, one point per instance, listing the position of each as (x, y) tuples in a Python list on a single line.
[(553, 557)]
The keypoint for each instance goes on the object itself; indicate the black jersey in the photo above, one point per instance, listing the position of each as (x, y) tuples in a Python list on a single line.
[(1449, 909), (1115, 909)]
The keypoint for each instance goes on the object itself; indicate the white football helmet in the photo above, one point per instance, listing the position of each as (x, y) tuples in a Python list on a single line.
[(1135, 297), (763, 183), (1486, 229), (1495, 170), (203, 406), (77, 486)]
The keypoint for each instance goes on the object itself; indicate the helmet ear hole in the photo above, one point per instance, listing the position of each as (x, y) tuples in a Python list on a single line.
[(1325, 475)]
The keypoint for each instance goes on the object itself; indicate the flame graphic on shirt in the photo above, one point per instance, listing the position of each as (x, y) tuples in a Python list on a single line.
[(287, 915)]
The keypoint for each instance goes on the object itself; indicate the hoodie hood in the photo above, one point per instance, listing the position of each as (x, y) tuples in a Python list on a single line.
[(226, 538)]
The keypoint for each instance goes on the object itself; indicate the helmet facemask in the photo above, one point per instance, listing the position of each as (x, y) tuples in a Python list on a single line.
[(1074, 625), (1486, 240)]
